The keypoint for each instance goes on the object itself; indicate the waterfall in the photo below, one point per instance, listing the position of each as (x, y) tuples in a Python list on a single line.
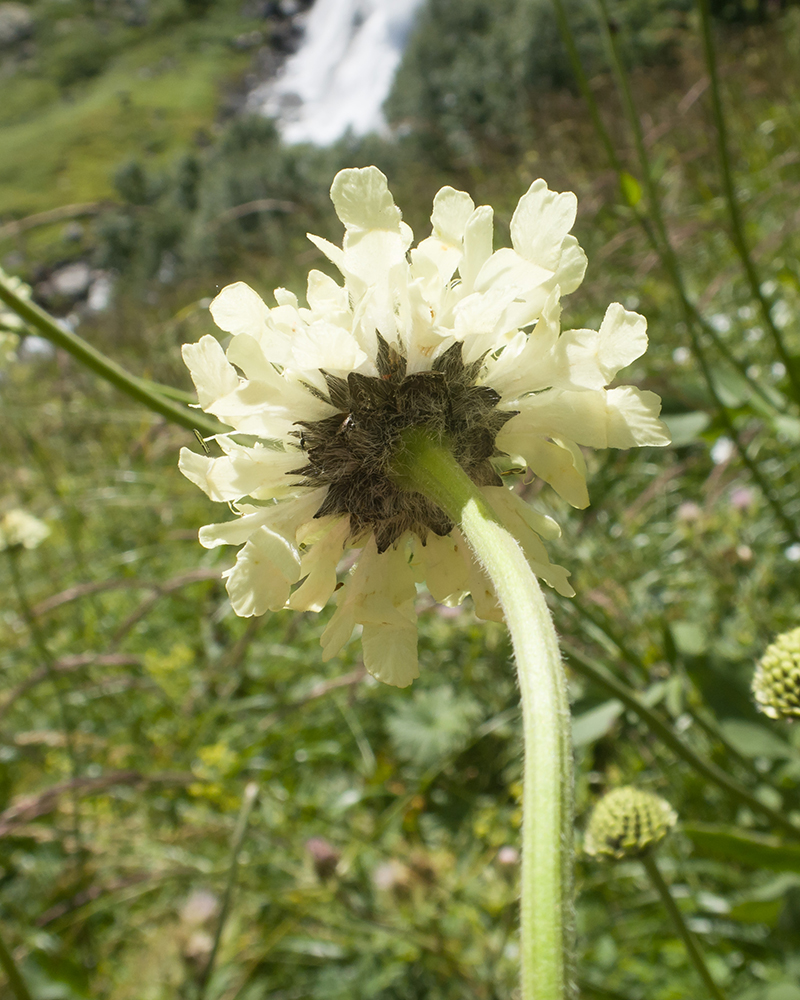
[(342, 72)]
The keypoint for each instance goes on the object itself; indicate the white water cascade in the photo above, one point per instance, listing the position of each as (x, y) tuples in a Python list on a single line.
[(341, 74)]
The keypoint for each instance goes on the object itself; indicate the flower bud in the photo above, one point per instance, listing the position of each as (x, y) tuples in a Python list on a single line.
[(324, 857), (626, 822), (776, 682)]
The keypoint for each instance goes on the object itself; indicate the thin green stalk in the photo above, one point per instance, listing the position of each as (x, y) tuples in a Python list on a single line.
[(13, 975), (47, 662), (606, 634), (692, 947), (546, 906), (664, 252), (595, 672), (139, 389), (663, 247), (239, 834), (732, 202)]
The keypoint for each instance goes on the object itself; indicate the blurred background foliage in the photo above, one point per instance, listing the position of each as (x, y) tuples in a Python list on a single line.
[(376, 848)]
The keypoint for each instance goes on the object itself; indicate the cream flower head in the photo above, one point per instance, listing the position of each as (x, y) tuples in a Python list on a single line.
[(451, 335), (18, 529)]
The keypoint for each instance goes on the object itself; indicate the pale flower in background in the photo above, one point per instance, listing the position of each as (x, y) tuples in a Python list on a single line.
[(18, 528), (449, 335)]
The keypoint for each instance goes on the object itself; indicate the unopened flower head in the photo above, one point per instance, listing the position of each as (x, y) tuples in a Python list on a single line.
[(451, 336), (628, 821), (776, 682), (18, 529)]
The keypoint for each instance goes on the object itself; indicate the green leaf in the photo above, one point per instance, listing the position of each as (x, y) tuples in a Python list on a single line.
[(788, 427), (753, 740), (684, 428), (595, 723), (631, 188), (751, 849), (432, 724), (690, 639), (757, 911)]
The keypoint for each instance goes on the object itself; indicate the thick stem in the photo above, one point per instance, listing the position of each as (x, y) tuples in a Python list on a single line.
[(546, 905), (152, 396), (692, 947)]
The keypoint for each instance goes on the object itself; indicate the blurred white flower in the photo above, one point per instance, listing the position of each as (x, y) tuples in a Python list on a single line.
[(722, 450), (438, 336), (18, 528)]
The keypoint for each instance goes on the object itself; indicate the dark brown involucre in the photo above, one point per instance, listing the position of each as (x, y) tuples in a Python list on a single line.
[(352, 451)]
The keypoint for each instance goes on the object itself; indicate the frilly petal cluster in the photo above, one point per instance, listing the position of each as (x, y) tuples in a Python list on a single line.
[(498, 312)]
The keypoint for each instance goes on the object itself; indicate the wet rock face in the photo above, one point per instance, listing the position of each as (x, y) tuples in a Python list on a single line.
[(72, 280), (16, 24)]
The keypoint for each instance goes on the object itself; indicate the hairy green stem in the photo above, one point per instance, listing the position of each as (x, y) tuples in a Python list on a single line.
[(692, 947), (546, 904), (13, 975), (153, 397)]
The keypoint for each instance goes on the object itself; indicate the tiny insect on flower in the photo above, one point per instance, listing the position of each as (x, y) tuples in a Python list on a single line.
[(451, 336)]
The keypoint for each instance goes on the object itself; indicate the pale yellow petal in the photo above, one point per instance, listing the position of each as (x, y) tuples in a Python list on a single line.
[(258, 472), (541, 221), (511, 511), (550, 461), (478, 234), (318, 566), (622, 339), (451, 211), (211, 373), (362, 200), (325, 296), (238, 309), (571, 266), (262, 576), (605, 418), (284, 518), (445, 561), (390, 651)]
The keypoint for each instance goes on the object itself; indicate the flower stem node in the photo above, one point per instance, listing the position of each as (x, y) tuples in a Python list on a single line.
[(627, 822), (776, 682), (451, 338)]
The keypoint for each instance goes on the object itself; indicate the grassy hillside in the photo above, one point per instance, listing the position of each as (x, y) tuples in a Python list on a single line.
[(379, 860), (88, 90)]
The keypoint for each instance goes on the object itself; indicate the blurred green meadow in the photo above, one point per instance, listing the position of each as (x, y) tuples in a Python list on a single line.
[(376, 851)]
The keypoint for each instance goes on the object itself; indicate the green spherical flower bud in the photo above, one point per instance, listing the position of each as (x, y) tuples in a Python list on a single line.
[(776, 682), (626, 822)]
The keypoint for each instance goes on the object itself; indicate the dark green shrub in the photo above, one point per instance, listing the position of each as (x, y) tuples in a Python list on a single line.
[(80, 55), (474, 70)]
